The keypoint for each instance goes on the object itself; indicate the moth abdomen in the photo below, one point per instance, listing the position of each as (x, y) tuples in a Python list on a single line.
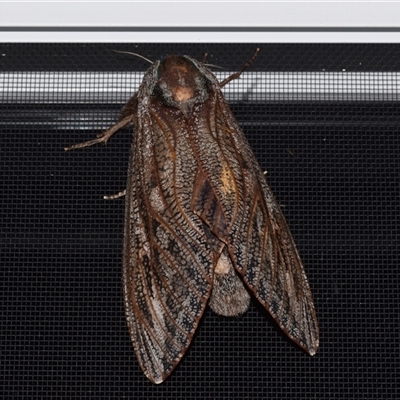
[(229, 296)]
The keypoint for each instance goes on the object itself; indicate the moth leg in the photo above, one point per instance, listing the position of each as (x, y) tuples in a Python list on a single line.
[(237, 74), (115, 196), (103, 137)]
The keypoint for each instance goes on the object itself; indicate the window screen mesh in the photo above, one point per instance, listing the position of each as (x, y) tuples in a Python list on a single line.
[(323, 121)]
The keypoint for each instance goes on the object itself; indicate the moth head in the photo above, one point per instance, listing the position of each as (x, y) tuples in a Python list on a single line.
[(180, 83)]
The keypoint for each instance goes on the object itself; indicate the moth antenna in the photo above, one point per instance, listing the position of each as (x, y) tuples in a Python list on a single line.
[(213, 65), (134, 54)]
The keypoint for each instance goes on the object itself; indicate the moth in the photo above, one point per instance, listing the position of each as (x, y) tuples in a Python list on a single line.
[(201, 223)]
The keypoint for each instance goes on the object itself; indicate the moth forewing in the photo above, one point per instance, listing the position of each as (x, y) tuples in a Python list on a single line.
[(201, 222)]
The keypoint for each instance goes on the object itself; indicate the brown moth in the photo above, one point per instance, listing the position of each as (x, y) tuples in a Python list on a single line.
[(201, 224)]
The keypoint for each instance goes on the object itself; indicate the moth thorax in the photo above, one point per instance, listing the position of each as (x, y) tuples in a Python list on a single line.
[(180, 81)]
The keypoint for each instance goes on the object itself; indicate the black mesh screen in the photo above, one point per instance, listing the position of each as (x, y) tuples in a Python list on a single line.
[(322, 119)]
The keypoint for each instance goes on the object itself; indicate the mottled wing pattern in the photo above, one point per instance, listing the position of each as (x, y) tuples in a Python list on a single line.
[(253, 228), (167, 259), (198, 210)]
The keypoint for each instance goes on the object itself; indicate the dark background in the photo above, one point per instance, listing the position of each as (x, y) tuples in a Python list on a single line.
[(333, 166)]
